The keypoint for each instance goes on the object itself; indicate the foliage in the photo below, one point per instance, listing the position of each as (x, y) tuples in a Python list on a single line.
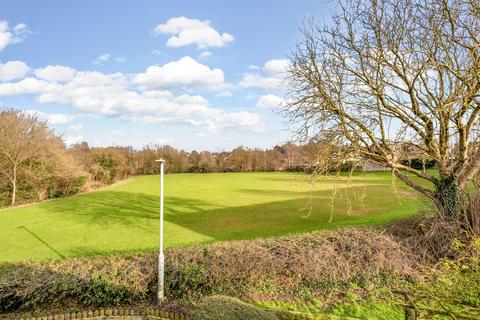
[(33, 161), (344, 273), (67, 171), (227, 308), (115, 163), (452, 286), (367, 309), (419, 164), (319, 265)]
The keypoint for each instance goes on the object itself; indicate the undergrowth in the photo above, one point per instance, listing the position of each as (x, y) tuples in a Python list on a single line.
[(351, 272)]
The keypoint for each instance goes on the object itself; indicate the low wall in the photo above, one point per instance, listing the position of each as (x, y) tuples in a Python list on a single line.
[(110, 314)]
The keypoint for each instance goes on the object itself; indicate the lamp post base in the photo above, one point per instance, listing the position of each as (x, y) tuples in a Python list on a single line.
[(161, 272)]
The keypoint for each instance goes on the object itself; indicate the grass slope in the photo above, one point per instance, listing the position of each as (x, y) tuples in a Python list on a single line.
[(199, 208)]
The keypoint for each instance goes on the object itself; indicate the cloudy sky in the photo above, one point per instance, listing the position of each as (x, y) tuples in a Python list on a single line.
[(193, 74)]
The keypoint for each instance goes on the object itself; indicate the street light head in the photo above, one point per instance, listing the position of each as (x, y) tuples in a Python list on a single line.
[(160, 160)]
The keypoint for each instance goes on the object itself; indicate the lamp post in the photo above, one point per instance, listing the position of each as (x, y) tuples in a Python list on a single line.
[(161, 258)]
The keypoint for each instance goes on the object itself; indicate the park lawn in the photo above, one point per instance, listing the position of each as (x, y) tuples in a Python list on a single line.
[(199, 208)]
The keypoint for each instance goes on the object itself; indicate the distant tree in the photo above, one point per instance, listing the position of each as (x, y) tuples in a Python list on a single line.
[(207, 162), (82, 153), (27, 148), (194, 161), (390, 73), (240, 159)]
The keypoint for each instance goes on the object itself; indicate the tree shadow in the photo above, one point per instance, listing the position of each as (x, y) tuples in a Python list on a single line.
[(123, 208), (358, 179), (305, 212), (275, 193)]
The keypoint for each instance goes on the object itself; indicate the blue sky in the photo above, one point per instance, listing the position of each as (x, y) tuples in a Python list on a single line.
[(193, 74)]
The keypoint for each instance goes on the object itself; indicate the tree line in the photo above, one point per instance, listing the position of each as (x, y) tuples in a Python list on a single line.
[(35, 164)]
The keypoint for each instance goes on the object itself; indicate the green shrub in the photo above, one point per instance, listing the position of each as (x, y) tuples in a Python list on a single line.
[(315, 265), (227, 308), (368, 310), (453, 285)]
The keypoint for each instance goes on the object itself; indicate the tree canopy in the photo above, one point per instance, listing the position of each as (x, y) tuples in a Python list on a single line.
[(386, 77)]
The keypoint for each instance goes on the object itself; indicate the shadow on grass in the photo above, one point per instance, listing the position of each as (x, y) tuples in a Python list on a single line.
[(357, 180), (42, 241), (306, 212)]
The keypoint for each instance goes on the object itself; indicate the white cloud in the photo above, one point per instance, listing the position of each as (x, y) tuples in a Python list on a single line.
[(239, 120), (59, 118), (76, 126), (55, 73), (121, 59), (119, 133), (13, 70), (205, 54), (187, 31), (223, 94), (273, 78), (26, 86), (253, 67), (5, 36), (193, 100), (71, 140), (158, 94), (95, 78), (156, 52), (255, 80), (52, 118), (21, 28), (184, 72), (10, 36), (270, 101), (117, 96), (163, 141), (102, 58), (276, 66)]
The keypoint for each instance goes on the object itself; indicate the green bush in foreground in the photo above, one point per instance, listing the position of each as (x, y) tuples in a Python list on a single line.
[(453, 285), (371, 309), (227, 308), (316, 265)]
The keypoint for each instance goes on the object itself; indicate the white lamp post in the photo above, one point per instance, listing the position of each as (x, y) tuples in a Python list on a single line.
[(161, 258)]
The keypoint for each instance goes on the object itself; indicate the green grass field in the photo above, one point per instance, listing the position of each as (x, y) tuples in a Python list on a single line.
[(198, 208)]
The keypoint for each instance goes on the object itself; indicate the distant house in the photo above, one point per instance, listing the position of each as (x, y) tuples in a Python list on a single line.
[(369, 165), (406, 152)]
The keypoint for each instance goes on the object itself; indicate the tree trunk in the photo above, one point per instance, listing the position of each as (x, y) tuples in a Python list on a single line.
[(448, 196), (14, 185)]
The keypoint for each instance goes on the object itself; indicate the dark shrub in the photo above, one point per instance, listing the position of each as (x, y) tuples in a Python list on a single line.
[(419, 164)]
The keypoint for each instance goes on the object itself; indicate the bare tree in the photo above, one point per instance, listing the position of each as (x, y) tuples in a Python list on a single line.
[(24, 140), (391, 74)]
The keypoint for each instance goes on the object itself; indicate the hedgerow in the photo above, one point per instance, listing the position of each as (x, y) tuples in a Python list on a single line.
[(315, 265)]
